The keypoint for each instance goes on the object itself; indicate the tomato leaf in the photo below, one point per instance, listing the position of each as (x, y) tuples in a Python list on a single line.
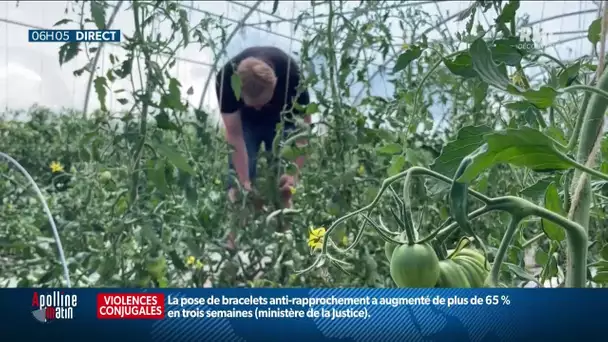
[(461, 65), (177, 261), (525, 147), (173, 98), (495, 75), (174, 89), (100, 89), (98, 13), (174, 157), (537, 190), (235, 83), (52, 273), (508, 12), (68, 51), (164, 122), (312, 108), (504, 51), (397, 165), (551, 269), (411, 54), (541, 257), (594, 31), (604, 252), (521, 273), (389, 149), (483, 64), (62, 22), (193, 247), (569, 74), (466, 13), (184, 27), (542, 98), (601, 277), (125, 68), (150, 235), (191, 194), (553, 203), (468, 139), (529, 111), (157, 175), (156, 267)]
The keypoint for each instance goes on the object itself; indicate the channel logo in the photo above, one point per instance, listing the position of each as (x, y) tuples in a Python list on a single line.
[(53, 306)]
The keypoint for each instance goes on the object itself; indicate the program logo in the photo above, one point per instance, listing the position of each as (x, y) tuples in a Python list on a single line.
[(530, 39), (53, 306)]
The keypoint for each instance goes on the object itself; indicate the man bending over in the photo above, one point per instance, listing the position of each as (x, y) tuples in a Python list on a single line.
[(269, 79)]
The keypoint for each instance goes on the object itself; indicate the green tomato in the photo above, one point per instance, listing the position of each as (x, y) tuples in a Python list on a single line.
[(415, 266), (105, 176), (452, 275), (472, 253), (474, 272), (389, 247)]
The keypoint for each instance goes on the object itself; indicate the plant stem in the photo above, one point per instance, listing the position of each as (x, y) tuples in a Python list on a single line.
[(507, 238), (442, 233), (545, 270), (410, 233), (532, 240), (596, 91), (386, 235), (590, 139), (145, 105), (590, 131), (576, 235), (585, 168), (416, 170), (385, 184), (579, 122)]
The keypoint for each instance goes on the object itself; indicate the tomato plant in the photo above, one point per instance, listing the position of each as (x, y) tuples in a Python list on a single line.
[(525, 146), (508, 187)]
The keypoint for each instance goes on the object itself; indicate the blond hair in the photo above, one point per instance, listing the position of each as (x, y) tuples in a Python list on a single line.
[(258, 81)]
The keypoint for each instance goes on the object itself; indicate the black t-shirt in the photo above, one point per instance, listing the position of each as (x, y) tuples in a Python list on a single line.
[(287, 81)]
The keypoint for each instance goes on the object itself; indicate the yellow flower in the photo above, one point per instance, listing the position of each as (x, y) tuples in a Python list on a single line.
[(56, 167), (292, 190), (345, 240), (191, 260), (315, 237), (361, 170), (518, 79), (198, 265)]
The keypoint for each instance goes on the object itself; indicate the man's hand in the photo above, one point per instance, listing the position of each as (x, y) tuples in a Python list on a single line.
[(247, 186), (233, 191), (286, 184)]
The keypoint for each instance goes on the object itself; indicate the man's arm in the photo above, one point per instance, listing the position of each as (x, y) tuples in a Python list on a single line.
[(231, 116), (234, 137)]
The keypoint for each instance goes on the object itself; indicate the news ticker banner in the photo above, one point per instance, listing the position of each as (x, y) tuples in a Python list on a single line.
[(303, 314), (69, 36)]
